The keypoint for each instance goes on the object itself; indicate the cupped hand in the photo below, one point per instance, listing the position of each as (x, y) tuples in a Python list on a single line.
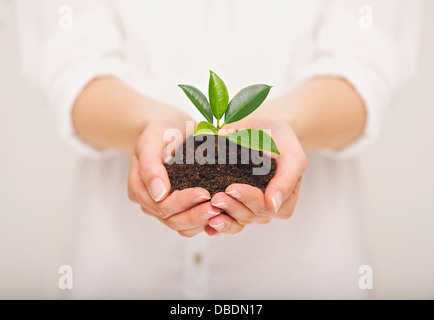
[(186, 211), (245, 204)]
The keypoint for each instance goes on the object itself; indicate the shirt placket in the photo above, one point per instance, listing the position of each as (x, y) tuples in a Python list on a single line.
[(196, 267)]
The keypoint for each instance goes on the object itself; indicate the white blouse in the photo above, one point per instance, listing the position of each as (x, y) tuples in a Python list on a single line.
[(153, 45)]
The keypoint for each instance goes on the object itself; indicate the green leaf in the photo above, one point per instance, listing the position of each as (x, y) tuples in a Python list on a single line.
[(218, 95), (199, 100), (246, 101), (205, 128), (254, 139)]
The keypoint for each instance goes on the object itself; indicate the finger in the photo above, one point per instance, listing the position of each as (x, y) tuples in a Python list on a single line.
[(236, 210), (211, 231), (149, 152), (176, 202), (181, 200), (290, 167), (185, 233), (251, 197), (191, 233), (288, 206), (192, 218), (133, 178), (225, 224)]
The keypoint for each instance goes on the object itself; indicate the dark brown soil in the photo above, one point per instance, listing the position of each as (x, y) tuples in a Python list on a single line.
[(217, 177)]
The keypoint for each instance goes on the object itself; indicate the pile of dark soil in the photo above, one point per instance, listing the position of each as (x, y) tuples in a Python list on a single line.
[(218, 176)]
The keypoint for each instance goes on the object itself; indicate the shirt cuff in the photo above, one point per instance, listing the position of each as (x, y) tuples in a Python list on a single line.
[(357, 75), (65, 92)]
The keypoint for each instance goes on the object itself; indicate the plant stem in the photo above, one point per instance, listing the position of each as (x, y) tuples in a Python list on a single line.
[(220, 126)]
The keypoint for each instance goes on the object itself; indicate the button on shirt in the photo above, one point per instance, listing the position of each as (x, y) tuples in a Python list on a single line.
[(154, 45)]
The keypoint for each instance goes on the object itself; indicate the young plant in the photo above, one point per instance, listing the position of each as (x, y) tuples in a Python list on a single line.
[(244, 103)]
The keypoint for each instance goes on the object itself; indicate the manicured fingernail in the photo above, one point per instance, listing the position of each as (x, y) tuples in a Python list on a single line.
[(201, 199), (157, 189), (220, 205), (277, 201), (234, 194), (218, 226), (209, 214)]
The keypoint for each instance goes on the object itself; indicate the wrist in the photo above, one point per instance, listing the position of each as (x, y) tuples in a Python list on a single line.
[(160, 116), (292, 111), (284, 111)]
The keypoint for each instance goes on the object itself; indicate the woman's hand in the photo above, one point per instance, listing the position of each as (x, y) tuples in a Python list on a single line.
[(245, 204), (322, 113), (186, 211)]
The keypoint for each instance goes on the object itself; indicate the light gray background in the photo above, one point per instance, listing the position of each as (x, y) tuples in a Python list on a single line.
[(37, 175)]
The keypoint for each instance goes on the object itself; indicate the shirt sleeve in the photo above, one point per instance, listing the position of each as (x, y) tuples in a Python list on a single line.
[(374, 46), (64, 45)]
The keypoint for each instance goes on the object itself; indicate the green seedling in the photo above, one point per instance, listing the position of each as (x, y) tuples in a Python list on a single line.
[(244, 103)]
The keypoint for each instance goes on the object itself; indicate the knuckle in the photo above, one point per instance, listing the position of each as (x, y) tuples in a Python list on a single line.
[(286, 215), (239, 229), (145, 210), (264, 212), (137, 148), (186, 234), (265, 221), (155, 211), (171, 224), (131, 196), (142, 141), (190, 221), (244, 221), (131, 190), (290, 188), (144, 167), (163, 214), (303, 162)]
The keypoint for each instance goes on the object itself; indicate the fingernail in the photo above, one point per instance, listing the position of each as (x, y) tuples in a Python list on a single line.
[(209, 214), (218, 226), (277, 201), (201, 199), (234, 194), (220, 205), (157, 189)]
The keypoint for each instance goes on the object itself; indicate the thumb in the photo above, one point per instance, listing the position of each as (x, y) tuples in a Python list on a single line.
[(289, 170), (149, 151)]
